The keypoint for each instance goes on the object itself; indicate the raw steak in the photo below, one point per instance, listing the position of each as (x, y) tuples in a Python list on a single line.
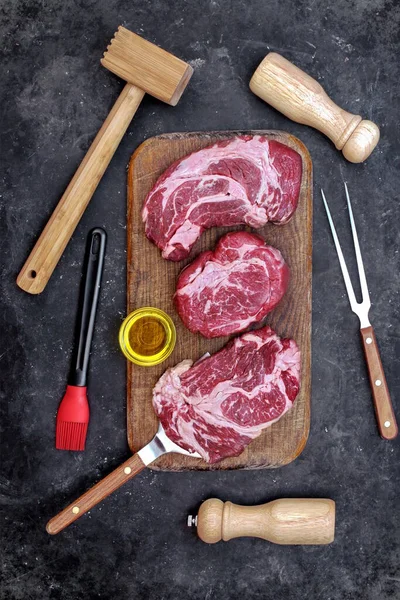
[(224, 291), (219, 405), (244, 180)]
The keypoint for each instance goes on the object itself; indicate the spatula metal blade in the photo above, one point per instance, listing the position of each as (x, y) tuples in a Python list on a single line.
[(161, 444)]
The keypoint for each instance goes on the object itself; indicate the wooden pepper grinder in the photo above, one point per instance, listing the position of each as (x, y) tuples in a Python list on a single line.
[(298, 96), (284, 521)]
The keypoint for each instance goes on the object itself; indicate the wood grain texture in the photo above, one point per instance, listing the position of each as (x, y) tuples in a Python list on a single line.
[(147, 66), (54, 238), (384, 412), (152, 280), (301, 98), (96, 494), (283, 521)]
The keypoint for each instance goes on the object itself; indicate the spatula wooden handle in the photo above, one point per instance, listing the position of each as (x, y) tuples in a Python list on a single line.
[(298, 96), (284, 521), (380, 392), (96, 494), (44, 257)]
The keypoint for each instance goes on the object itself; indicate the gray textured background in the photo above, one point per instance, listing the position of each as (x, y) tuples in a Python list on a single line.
[(54, 97)]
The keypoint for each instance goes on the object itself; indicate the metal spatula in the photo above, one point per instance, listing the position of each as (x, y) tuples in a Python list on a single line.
[(383, 406), (159, 445)]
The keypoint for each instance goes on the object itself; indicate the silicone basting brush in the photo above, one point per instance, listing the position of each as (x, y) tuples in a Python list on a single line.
[(73, 412)]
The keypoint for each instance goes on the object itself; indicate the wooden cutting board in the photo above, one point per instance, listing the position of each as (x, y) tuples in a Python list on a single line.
[(151, 282)]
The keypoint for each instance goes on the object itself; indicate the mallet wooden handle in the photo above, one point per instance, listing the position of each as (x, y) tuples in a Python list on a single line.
[(384, 412), (284, 521), (147, 69), (96, 494), (51, 244), (298, 96)]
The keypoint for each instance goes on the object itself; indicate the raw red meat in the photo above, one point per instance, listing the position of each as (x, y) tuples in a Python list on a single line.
[(219, 405), (224, 291), (244, 180)]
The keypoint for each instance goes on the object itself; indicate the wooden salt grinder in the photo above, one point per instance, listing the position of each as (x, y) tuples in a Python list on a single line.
[(298, 96), (284, 521), (147, 69)]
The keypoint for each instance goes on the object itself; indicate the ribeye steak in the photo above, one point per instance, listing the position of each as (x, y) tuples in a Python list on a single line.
[(220, 404), (244, 180), (224, 291)]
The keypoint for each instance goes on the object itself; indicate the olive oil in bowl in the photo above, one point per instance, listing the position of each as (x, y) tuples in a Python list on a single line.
[(147, 336)]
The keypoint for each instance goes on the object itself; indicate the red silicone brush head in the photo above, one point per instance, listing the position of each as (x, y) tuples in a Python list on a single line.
[(72, 419)]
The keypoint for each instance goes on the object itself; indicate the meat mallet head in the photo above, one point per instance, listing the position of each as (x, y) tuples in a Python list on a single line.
[(147, 66)]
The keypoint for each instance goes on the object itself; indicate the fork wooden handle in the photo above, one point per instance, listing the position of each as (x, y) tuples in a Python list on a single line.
[(383, 405), (96, 494)]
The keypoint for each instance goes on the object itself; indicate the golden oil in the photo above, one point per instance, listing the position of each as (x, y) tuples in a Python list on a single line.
[(147, 336)]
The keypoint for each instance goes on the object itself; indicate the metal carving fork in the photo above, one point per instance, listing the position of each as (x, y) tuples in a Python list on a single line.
[(383, 406)]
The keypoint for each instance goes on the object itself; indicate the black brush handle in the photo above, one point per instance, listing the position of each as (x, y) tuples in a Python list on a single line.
[(93, 270)]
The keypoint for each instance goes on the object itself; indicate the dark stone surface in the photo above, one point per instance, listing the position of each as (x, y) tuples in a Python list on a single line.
[(54, 97)]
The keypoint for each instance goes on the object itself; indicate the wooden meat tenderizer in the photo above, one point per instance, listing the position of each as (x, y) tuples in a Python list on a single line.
[(285, 521), (299, 97), (147, 69)]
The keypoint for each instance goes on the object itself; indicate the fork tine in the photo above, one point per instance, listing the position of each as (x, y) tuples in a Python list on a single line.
[(346, 276), (360, 264)]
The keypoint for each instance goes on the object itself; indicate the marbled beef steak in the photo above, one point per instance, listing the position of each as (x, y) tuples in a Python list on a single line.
[(217, 406), (244, 180), (225, 291)]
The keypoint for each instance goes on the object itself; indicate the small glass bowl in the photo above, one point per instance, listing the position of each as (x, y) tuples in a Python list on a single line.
[(156, 315)]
